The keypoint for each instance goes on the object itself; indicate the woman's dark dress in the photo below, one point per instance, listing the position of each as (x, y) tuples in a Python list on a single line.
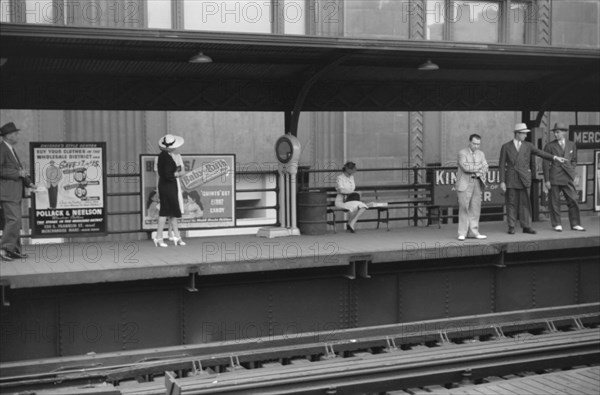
[(168, 188)]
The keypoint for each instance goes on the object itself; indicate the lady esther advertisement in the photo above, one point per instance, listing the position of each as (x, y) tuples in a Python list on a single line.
[(207, 189), (70, 199)]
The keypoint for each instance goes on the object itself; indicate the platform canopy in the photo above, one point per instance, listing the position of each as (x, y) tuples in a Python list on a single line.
[(62, 67)]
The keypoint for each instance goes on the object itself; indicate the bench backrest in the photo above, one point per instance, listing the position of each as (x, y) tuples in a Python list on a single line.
[(394, 195)]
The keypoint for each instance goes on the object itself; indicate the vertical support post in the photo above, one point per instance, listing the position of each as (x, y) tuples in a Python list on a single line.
[(277, 17), (191, 285), (17, 11), (293, 192), (287, 121), (288, 191), (543, 12), (534, 194), (177, 21), (282, 199), (416, 205), (417, 148), (58, 13)]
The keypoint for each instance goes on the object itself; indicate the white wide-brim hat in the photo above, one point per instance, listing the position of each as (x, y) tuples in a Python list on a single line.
[(170, 141), (521, 127)]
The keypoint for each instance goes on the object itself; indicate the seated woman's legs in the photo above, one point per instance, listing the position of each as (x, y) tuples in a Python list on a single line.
[(354, 216)]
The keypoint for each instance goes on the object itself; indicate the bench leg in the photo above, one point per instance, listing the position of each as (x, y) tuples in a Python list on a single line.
[(334, 225), (387, 219)]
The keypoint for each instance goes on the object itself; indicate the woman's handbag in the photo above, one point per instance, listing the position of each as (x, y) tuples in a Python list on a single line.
[(353, 196)]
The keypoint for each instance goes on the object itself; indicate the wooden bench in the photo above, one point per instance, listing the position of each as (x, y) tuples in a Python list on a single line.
[(381, 209), (385, 198)]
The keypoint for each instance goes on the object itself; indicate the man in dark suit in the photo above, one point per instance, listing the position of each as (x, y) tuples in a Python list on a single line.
[(12, 179), (516, 161), (561, 177)]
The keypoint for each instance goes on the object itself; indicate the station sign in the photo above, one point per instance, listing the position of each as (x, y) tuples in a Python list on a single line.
[(596, 180), (70, 198), (444, 190), (585, 136), (207, 191)]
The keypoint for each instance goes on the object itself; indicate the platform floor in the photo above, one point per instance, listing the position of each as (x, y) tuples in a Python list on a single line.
[(92, 262)]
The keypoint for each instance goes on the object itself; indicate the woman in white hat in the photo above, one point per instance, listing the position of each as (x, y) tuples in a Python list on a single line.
[(169, 190)]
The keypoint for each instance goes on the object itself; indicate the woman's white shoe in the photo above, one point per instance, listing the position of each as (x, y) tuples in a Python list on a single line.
[(159, 243), (178, 241)]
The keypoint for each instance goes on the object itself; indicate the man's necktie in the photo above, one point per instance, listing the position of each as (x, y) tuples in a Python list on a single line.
[(518, 145), (562, 144)]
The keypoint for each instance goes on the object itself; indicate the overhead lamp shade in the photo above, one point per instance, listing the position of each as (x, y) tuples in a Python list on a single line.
[(200, 58), (2, 61), (429, 65)]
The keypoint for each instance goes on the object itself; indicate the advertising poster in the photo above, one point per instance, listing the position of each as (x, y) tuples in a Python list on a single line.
[(207, 189), (581, 183), (580, 186), (444, 191), (70, 199)]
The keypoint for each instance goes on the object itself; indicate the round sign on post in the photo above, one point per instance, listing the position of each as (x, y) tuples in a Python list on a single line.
[(284, 150), (287, 151)]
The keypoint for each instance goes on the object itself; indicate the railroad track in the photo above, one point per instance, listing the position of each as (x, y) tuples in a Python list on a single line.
[(375, 359)]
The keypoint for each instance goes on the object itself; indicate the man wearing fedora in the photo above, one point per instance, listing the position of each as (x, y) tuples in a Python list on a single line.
[(12, 179), (516, 161), (561, 177)]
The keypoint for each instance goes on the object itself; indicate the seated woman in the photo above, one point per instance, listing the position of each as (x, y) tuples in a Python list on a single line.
[(346, 198)]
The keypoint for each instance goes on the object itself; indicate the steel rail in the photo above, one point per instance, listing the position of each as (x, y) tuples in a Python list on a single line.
[(514, 320), (380, 371), (100, 372), (340, 347)]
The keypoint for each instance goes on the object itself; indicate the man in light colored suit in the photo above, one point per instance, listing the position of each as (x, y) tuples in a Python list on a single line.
[(12, 179), (516, 161), (470, 181), (561, 177)]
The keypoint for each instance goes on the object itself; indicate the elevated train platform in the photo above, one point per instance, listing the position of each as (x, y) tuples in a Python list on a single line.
[(76, 263), (79, 298)]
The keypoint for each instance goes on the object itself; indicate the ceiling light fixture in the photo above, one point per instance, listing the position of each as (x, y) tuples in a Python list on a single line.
[(200, 58), (3, 61), (428, 66)]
